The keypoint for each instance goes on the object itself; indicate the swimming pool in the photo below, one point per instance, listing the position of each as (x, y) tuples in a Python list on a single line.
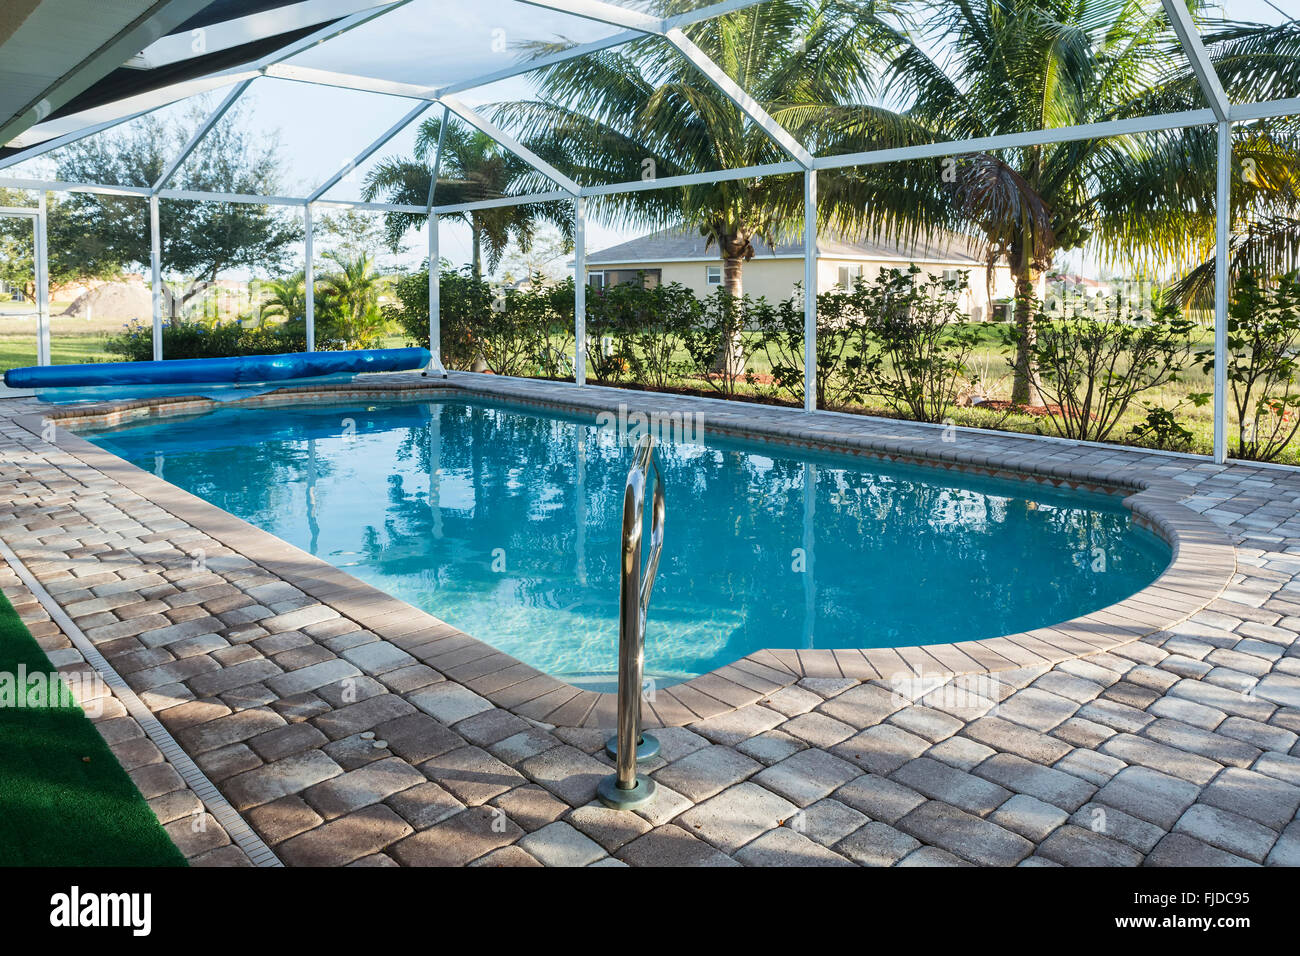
[(503, 520)]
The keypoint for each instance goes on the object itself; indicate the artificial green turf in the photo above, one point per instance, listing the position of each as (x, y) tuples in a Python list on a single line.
[(56, 808)]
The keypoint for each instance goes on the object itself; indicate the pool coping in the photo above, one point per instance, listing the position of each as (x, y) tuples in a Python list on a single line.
[(1201, 567)]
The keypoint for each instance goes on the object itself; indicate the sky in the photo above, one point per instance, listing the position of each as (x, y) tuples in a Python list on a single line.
[(437, 42), (427, 42)]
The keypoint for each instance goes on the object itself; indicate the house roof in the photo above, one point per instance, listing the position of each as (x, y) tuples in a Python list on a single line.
[(669, 245)]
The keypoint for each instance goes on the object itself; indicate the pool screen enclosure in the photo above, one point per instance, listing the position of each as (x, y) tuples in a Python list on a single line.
[(36, 215), (614, 24)]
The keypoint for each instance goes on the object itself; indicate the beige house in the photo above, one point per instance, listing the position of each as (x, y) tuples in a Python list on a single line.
[(678, 255)]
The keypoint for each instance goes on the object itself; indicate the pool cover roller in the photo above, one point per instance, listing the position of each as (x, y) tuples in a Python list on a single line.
[(241, 368)]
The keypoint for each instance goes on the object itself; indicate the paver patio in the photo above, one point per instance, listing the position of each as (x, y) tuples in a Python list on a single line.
[(347, 730)]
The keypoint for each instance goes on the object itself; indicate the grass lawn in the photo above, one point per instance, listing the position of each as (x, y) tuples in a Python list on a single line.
[(17, 351), (57, 808)]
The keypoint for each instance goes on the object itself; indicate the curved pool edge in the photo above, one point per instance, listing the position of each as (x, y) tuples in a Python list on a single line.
[(1202, 564)]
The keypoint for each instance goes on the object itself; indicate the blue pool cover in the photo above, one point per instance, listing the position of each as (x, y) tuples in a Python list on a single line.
[(237, 369)]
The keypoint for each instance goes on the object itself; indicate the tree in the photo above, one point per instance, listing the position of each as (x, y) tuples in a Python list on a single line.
[(1255, 62), (200, 240), (1021, 65), (545, 256), (352, 232), (1263, 371), (853, 76), (17, 265), (638, 111), (73, 256), (350, 313), (1096, 363), (473, 168), (286, 299)]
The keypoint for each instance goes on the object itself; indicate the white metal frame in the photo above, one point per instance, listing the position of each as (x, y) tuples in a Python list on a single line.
[(40, 269), (1219, 113), (309, 276), (435, 270)]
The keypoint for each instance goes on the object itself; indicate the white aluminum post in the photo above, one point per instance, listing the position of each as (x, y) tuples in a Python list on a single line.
[(155, 276), (42, 264), (435, 257), (1222, 277), (309, 279), (1207, 78), (580, 290), (810, 290)]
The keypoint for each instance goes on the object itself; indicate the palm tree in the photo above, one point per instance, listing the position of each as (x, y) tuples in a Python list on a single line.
[(1018, 65), (1256, 62), (350, 300), (966, 70), (844, 76), (287, 298), (473, 168), (639, 109)]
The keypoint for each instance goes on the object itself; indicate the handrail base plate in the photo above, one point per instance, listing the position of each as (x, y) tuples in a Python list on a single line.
[(615, 798), (646, 749)]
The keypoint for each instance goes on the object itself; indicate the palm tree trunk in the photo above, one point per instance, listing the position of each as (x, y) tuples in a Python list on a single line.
[(1024, 386), (731, 351)]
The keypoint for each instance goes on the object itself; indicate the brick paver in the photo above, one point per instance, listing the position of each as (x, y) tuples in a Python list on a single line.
[(358, 731)]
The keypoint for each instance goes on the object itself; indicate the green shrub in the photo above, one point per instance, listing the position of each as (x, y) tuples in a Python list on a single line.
[(657, 335), (1162, 429), (546, 313), (638, 334), (185, 339), (464, 301), (1094, 364), (1263, 338), (913, 343), (713, 340), (839, 322)]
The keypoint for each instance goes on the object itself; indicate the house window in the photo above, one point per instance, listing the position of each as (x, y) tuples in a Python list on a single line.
[(713, 275), (646, 278), (849, 275), (951, 275), (596, 280)]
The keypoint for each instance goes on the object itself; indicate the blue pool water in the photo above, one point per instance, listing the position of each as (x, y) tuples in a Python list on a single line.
[(504, 521)]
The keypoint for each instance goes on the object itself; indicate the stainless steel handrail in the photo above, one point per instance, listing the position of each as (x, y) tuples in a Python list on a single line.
[(625, 790)]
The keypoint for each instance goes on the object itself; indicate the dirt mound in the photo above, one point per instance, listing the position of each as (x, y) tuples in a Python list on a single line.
[(122, 301)]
